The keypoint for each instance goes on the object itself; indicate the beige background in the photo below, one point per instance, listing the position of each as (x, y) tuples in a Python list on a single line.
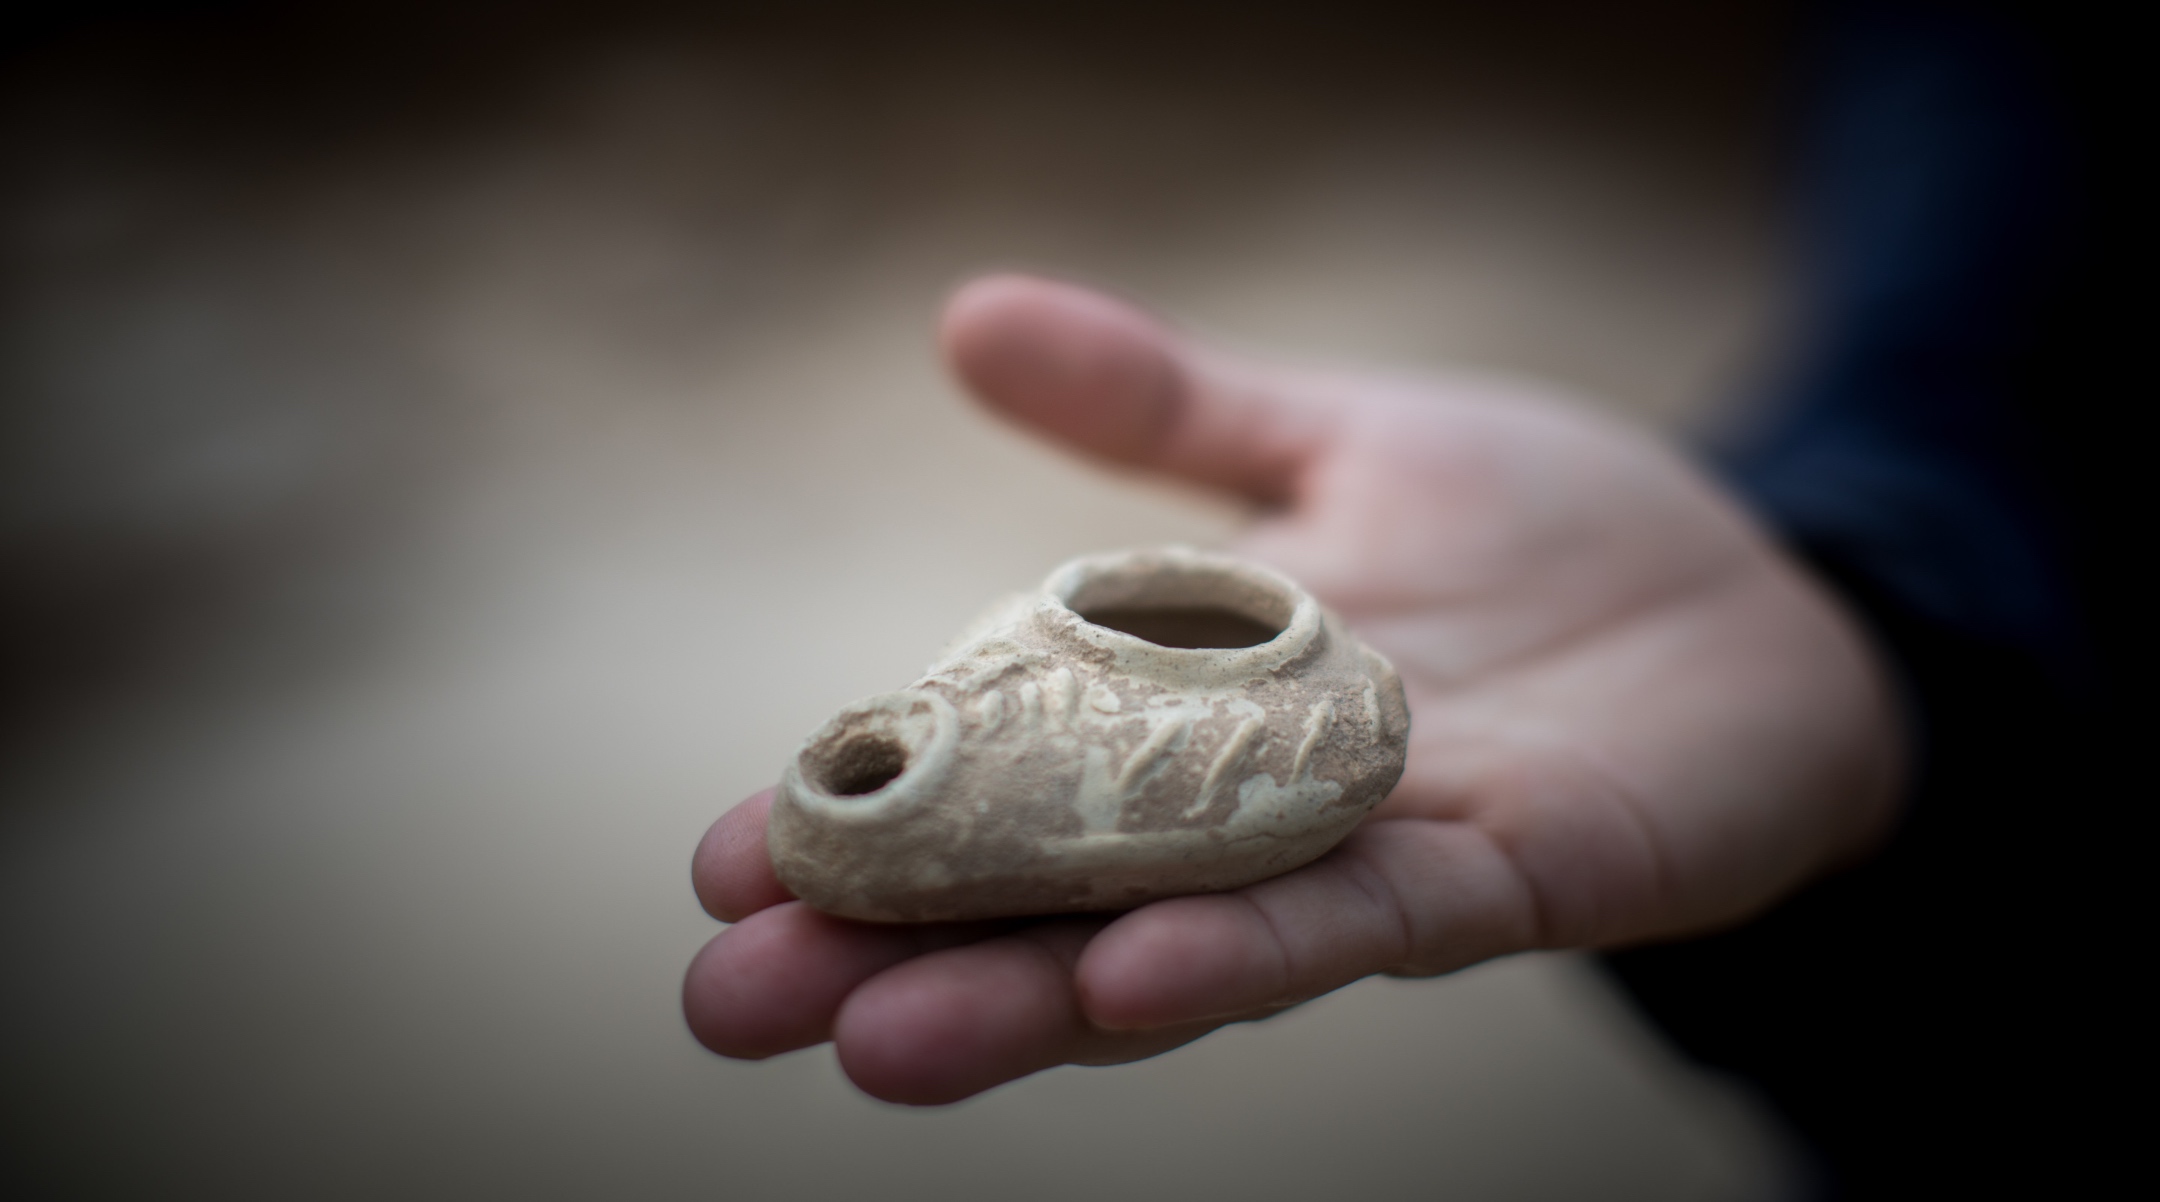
[(449, 460)]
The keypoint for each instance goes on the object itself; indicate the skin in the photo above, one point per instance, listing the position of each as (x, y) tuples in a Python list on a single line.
[(1633, 716)]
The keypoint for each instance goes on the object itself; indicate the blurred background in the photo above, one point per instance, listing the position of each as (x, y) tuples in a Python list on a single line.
[(450, 453)]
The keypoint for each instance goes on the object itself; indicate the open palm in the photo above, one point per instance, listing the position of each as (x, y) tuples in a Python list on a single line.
[(1631, 717)]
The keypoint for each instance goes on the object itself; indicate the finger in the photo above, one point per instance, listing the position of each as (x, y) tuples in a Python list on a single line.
[(1414, 897), (773, 982), (949, 1025), (731, 873), (945, 1026), (1109, 380)]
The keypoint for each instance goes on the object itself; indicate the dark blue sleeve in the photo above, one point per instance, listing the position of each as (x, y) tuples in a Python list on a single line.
[(1946, 449), (1937, 224)]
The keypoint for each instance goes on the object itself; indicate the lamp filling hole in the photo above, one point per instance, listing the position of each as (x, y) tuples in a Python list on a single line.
[(1191, 627)]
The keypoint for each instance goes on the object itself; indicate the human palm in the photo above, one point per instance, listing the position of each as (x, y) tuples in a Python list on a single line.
[(1631, 717)]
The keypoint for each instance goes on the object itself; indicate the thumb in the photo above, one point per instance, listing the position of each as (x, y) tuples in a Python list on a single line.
[(1104, 378)]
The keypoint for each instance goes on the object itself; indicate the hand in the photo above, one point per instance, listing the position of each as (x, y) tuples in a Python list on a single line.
[(1631, 717)]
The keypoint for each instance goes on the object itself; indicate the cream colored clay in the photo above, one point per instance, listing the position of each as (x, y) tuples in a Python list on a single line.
[(1051, 763)]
